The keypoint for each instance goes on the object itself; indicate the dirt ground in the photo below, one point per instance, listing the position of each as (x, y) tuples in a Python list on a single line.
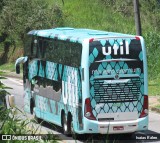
[(153, 101)]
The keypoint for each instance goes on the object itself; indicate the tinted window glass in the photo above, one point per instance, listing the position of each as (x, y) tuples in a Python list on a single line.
[(58, 51), (34, 47), (63, 52), (27, 46)]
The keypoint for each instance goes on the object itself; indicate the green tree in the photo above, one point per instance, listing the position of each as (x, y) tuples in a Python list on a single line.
[(149, 10), (18, 17), (1, 4)]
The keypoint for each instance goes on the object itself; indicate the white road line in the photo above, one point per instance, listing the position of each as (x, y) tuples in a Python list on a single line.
[(14, 80)]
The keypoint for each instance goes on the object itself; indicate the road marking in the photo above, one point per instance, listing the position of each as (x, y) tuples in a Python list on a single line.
[(14, 80)]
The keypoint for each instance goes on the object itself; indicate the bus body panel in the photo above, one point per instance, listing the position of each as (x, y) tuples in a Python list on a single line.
[(116, 85), (112, 127), (115, 111), (48, 102), (144, 66)]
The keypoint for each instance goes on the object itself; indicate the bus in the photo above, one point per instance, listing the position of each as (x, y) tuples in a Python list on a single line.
[(86, 81)]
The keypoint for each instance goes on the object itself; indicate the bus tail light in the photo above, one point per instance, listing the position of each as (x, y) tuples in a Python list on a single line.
[(88, 111), (91, 40), (137, 38), (145, 107)]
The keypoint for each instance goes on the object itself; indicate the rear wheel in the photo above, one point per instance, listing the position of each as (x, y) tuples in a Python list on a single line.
[(72, 132), (37, 120), (32, 105), (66, 124)]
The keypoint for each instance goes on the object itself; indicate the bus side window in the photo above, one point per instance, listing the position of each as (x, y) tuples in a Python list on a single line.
[(62, 52), (75, 55), (34, 48), (48, 50), (40, 47), (45, 46), (68, 54), (27, 46)]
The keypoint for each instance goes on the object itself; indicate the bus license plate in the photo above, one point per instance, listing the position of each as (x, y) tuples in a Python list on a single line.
[(118, 128)]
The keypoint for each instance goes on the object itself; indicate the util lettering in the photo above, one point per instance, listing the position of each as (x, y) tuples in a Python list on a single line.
[(122, 48)]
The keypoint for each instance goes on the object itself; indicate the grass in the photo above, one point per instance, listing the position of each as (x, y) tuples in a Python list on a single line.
[(8, 67), (19, 124), (94, 15), (154, 87), (97, 15), (8, 70), (158, 106)]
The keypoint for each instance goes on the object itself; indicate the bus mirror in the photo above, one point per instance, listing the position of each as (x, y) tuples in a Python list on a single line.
[(17, 69), (18, 62)]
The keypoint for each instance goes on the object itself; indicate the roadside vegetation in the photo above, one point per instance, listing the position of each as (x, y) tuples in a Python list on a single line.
[(13, 121), (17, 17)]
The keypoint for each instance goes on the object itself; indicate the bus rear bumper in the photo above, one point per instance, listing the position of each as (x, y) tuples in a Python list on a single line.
[(115, 127)]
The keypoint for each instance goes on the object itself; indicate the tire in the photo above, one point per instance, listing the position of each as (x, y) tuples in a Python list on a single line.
[(66, 125), (74, 135), (32, 105), (38, 120), (71, 129)]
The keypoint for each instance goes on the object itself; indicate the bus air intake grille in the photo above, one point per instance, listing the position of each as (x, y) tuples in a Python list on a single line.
[(112, 91)]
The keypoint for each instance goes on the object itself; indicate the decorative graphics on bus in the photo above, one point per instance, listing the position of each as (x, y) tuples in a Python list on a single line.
[(55, 84), (123, 48), (107, 92), (70, 92), (116, 71)]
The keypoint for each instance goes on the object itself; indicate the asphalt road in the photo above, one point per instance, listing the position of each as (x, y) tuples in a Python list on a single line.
[(154, 121)]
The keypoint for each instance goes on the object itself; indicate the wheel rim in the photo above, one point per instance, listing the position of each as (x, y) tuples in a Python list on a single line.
[(64, 124), (72, 130), (65, 127)]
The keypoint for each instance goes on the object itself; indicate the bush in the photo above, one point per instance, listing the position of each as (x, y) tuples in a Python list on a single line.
[(153, 51), (18, 17), (15, 122)]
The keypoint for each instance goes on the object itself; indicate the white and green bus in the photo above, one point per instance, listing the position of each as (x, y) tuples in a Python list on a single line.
[(86, 81)]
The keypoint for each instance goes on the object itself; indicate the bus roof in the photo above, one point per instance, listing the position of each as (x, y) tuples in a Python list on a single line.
[(77, 35)]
